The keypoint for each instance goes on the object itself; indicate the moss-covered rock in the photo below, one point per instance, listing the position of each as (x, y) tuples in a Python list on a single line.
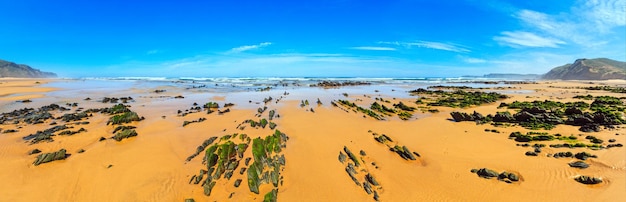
[(125, 134), (49, 157)]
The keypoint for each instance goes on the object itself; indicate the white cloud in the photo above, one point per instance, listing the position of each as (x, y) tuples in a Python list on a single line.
[(430, 44), (526, 39), (587, 24), (606, 14), (249, 47), (474, 60), (373, 48)]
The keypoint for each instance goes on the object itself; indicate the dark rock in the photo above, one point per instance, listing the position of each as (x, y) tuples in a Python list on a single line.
[(503, 117), (513, 177), (530, 153), (579, 120), (190, 200), (578, 164), (237, 182), (486, 173), (371, 179), (102, 139), (363, 153), (193, 179), (503, 176), (367, 187), (342, 157), (572, 111), (611, 140), (534, 110), (524, 117), (588, 180), (584, 155), (80, 151), (563, 154), (461, 116), (376, 197), (34, 151), (590, 128)]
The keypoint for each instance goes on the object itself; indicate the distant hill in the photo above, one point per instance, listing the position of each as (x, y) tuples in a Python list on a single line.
[(589, 69), (10, 69)]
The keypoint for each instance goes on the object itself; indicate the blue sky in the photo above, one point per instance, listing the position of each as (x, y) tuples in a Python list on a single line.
[(403, 38)]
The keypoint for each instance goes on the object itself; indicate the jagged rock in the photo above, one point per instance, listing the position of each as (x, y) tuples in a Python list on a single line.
[(34, 151), (193, 179), (503, 117), (513, 177), (578, 120), (486, 173), (362, 153), (242, 171), (208, 187), (48, 157), (352, 172), (461, 116), (578, 164), (120, 128), (371, 179), (237, 182), (376, 197), (352, 156), (588, 180), (342, 157), (524, 116), (367, 187)]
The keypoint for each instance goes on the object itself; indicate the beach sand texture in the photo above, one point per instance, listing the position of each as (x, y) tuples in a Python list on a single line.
[(153, 166)]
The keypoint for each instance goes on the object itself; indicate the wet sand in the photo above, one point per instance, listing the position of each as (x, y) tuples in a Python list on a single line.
[(152, 166)]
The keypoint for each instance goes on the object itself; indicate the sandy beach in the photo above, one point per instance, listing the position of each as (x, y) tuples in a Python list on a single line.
[(153, 166)]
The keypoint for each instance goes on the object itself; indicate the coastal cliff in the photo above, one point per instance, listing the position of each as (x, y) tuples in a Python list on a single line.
[(589, 69), (11, 69)]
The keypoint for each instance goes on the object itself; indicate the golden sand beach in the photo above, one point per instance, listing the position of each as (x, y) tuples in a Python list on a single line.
[(154, 166)]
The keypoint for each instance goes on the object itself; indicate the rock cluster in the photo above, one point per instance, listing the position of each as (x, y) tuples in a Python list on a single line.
[(334, 84), (503, 176), (402, 151), (355, 170)]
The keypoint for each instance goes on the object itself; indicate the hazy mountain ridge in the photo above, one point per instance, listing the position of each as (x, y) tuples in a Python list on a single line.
[(11, 69), (589, 69)]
